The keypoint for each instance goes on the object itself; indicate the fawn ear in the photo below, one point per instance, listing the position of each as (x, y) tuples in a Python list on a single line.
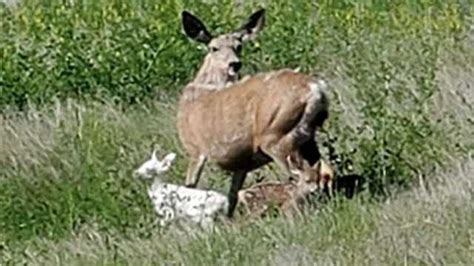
[(294, 165), (170, 157), (167, 161), (253, 25), (326, 170), (317, 167), (153, 155), (194, 28), (305, 165)]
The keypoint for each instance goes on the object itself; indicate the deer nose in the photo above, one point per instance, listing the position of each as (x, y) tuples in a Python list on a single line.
[(235, 66)]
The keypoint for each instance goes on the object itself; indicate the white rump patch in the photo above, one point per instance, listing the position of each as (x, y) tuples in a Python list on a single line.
[(318, 90), (319, 86), (317, 98)]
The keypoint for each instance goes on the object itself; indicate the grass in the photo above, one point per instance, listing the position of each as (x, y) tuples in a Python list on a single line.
[(88, 89), (418, 228)]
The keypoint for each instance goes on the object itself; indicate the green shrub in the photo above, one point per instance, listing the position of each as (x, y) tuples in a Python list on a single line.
[(130, 50)]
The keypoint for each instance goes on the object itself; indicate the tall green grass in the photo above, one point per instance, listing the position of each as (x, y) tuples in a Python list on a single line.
[(419, 228), (88, 88)]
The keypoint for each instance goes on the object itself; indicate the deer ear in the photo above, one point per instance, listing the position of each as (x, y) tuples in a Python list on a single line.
[(170, 157), (253, 25), (326, 169), (194, 28), (317, 167), (167, 161), (294, 165), (153, 155), (306, 165)]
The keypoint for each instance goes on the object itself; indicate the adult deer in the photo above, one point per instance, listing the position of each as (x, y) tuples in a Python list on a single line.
[(244, 124)]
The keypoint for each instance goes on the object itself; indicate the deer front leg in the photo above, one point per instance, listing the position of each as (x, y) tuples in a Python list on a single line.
[(237, 181), (194, 171)]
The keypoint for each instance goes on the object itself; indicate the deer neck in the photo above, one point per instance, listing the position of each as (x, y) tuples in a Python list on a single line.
[(208, 79), (211, 78), (156, 182)]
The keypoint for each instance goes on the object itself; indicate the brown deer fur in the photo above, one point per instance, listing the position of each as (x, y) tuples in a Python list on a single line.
[(242, 125)]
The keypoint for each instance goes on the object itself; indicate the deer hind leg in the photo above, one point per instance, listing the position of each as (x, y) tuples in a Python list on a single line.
[(237, 182), (309, 151), (315, 114), (278, 149), (304, 132), (194, 171), (278, 156), (299, 141)]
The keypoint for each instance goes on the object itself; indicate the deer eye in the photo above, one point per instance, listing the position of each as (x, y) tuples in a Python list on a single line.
[(213, 49)]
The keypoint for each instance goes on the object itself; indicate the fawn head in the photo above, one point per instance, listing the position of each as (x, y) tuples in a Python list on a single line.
[(154, 167), (311, 178)]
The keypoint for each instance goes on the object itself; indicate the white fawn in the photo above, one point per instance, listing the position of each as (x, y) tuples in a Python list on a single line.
[(175, 202)]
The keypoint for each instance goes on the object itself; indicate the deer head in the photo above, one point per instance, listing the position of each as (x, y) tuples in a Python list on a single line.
[(311, 178), (222, 62), (154, 167)]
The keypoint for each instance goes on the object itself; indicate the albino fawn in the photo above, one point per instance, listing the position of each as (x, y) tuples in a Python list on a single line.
[(173, 202), (290, 195)]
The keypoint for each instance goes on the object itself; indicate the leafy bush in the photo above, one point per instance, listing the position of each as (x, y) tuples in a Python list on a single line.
[(130, 50)]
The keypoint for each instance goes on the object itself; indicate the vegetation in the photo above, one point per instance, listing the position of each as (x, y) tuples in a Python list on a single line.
[(87, 88)]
